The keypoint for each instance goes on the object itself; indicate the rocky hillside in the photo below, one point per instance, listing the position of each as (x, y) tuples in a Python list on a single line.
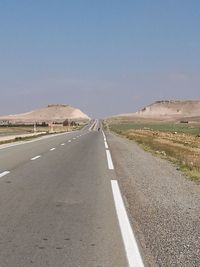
[(51, 113), (189, 108), (167, 110)]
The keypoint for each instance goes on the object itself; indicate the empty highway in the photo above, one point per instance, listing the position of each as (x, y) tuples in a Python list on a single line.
[(63, 199), (57, 206)]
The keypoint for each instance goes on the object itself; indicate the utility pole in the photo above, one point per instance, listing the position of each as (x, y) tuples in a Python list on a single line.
[(35, 128), (51, 127)]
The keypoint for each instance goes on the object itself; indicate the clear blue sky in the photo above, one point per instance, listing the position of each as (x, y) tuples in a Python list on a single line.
[(103, 56)]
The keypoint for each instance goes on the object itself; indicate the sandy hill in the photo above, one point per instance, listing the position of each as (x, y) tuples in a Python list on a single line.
[(189, 108), (52, 113), (168, 109)]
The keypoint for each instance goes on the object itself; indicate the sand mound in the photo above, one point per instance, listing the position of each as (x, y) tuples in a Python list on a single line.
[(52, 113), (168, 109), (190, 108)]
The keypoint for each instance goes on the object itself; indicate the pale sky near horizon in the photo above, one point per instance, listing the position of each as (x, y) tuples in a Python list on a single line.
[(105, 57)]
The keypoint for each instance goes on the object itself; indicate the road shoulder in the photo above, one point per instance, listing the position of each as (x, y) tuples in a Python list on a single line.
[(163, 204)]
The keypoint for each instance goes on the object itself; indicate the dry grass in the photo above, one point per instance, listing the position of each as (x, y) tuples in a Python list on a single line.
[(4, 131), (181, 148)]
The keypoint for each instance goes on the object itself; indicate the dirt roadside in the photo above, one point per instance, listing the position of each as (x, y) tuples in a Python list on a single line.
[(164, 206)]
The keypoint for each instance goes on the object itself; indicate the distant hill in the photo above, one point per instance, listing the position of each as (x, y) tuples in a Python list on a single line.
[(189, 108), (169, 110), (51, 113)]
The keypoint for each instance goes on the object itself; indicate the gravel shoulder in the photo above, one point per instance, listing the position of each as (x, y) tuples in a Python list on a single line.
[(164, 206)]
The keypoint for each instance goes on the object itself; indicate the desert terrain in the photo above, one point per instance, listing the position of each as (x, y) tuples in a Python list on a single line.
[(52, 113), (169, 129), (51, 119), (167, 110), (59, 185)]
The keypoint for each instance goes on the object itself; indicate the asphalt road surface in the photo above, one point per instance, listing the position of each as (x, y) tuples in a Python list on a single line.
[(61, 204), (56, 203), (163, 204)]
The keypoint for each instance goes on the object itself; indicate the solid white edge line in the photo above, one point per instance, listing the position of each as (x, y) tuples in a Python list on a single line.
[(104, 137), (109, 159), (106, 144), (4, 173), (37, 157), (130, 244)]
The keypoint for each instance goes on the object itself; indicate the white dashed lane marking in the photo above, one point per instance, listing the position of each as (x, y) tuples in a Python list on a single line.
[(104, 137), (109, 159), (4, 174), (37, 157), (52, 149), (131, 248)]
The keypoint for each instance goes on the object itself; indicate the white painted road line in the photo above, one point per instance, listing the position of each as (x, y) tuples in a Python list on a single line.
[(37, 157), (32, 141), (74, 138), (69, 141), (110, 162), (104, 137), (131, 247), (63, 144), (4, 174), (106, 144), (52, 149)]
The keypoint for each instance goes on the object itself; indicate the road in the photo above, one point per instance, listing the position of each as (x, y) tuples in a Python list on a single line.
[(56, 203), (163, 204), (63, 199)]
